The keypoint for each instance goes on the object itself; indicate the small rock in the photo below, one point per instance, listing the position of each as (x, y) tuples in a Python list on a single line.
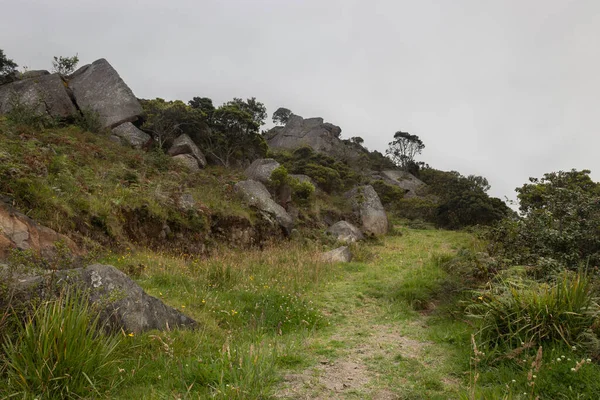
[(341, 254), (345, 232)]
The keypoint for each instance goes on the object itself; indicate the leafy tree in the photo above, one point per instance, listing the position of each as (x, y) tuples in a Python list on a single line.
[(203, 104), (8, 69), (166, 120), (235, 131), (281, 116), (357, 140), (65, 65), (403, 149)]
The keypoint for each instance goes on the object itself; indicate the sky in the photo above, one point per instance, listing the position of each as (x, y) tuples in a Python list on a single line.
[(506, 89)]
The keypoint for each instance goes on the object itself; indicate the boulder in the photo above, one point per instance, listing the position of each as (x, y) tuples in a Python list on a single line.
[(341, 254), (46, 94), (260, 170), (404, 180), (98, 87), (123, 303), (187, 160), (257, 195), (131, 135), (18, 231), (322, 137), (344, 231), (183, 144), (369, 210)]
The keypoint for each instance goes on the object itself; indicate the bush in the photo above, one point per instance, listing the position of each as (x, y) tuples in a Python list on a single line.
[(528, 312), (60, 351), (390, 195), (302, 191), (29, 115), (89, 120)]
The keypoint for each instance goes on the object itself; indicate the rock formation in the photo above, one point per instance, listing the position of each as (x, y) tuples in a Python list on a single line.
[(46, 94), (184, 145), (322, 137), (341, 254), (344, 231), (131, 135), (412, 186), (99, 88), (257, 195), (260, 170), (18, 231), (369, 210)]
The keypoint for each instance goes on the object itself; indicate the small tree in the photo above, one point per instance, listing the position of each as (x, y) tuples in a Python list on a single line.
[(8, 68), (203, 104), (357, 140), (281, 116), (65, 65), (403, 149)]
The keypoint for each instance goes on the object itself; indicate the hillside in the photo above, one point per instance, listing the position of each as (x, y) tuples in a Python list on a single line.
[(163, 249)]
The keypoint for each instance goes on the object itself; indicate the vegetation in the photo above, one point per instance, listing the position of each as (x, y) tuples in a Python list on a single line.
[(281, 116), (403, 149), (65, 65), (8, 68)]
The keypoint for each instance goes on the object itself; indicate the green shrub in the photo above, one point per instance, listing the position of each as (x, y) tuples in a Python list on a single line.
[(416, 208), (29, 115), (302, 191), (522, 312), (60, 351), (89, 120), (390, 195)]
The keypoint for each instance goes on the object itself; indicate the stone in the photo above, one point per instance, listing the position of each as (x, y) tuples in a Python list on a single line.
[(45, 94), (187, 201), (404, 180), (183, 144), (260, 170), (131, 135), (18, 231), (341, 254), (99, 88), (369, 210), (257, 195), (322, 137), (33, 74), (345, 232), (188, 161), (124, 304)]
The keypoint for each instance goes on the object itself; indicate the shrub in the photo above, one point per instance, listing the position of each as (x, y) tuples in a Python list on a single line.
[(302, 191), (60, 351), (522, 312), (89, 120), (390, 195), (29, 115)]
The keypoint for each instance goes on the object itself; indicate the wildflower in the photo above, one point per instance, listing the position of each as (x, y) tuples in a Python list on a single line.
[(182, 306), (573, 348), (203, 301), (589, 360), (573, 369), (558, 359), (514, 381), (130, 334)]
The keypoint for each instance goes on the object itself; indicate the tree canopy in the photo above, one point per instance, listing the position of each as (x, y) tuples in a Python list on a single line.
[(281, 116), (8, 68), (403, 149)]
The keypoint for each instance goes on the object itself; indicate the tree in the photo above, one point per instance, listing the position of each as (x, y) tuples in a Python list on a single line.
[(65, 65), (235, 131), (203, 104), (166, 120), (8, 69), (357, 140), (403, 149), (281, 116)]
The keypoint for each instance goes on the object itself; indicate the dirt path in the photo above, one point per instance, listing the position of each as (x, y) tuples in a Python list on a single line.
[(366, 355)]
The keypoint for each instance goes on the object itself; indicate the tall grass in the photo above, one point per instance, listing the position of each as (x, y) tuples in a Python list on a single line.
[(529, 312), (60, 351)]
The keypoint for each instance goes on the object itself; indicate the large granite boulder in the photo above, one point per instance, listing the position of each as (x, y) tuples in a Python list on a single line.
[(18, 231), (312, 132), (369, 210), (188, 161), (131, 135), (257, 195), (46, 94), (341, 254), (260, 170), (345, 232), (183, 144), (98, 87), (404, 180), (124, 305), (33, 74)]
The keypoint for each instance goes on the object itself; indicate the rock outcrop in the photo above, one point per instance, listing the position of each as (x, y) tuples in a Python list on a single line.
[(345, 232), (123, 303), (321, 136), (404, 180), (33, 74), (341, 254), (98, 87), (131, 135), (184, 145), (18, 231), (45, 94), (257, 195), (260, 170), (369, 210)]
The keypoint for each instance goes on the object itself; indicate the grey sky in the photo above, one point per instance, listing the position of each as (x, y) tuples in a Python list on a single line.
[(506, 89)]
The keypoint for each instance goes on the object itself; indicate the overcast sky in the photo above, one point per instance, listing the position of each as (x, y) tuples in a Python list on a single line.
[(506, 89)]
